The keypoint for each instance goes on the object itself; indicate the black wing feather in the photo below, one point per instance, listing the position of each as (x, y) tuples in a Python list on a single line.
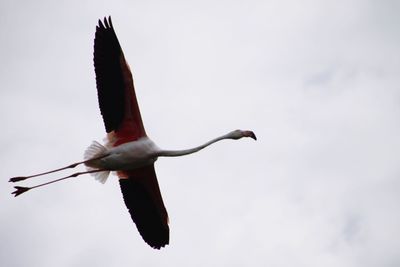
[(109, 75), (151, 222)]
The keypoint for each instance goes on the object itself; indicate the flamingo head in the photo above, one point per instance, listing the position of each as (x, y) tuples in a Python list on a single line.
[(237, 134)]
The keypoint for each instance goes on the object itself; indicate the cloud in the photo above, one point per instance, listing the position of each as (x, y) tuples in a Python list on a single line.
[(317, 82)]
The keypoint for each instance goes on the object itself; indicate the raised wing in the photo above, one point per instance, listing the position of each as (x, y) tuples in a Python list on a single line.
[(143, 199), (116, 93)]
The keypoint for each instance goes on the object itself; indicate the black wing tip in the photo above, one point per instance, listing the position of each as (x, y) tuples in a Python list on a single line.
[(106, 23), (158, 246), (156, 243), (143, 212)]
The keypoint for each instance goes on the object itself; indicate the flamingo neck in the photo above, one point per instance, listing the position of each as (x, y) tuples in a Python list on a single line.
[(177, 153)]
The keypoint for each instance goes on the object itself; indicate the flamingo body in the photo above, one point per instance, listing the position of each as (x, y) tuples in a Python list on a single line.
[(126, 156)]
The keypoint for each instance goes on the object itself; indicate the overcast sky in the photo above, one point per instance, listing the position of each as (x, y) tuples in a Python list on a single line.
[(317, 81)]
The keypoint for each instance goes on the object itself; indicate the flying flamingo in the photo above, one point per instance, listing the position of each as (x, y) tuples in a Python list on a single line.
[(128, 150)]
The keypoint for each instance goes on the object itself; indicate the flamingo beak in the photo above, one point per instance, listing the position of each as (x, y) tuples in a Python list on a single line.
[(250, 134)]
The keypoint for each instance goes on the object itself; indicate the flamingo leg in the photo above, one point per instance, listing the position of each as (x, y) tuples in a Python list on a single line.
[(22, 189), (73, 165), (21, 178)]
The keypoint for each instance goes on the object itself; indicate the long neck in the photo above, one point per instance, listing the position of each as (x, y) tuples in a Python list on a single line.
[(177, 153)]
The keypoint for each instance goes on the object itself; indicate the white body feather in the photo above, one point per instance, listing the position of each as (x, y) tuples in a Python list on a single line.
[(127, 156)]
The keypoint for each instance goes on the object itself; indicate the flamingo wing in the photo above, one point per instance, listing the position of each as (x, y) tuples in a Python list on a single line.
[(144, 202), (123, 123), (116, 93)]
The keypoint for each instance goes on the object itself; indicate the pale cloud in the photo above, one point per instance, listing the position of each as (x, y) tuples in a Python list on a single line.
[(317, 81)]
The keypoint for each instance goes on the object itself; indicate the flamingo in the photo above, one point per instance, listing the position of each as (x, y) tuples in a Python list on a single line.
[(128, 150)]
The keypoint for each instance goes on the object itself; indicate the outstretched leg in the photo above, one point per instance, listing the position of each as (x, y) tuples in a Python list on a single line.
[(71, 166), (21, 178), (21, 189)]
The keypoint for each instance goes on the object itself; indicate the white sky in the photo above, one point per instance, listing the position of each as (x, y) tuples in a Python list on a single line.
[(318, 82)]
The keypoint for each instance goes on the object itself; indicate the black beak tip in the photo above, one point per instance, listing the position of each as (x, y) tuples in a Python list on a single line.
[(252, 135)]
